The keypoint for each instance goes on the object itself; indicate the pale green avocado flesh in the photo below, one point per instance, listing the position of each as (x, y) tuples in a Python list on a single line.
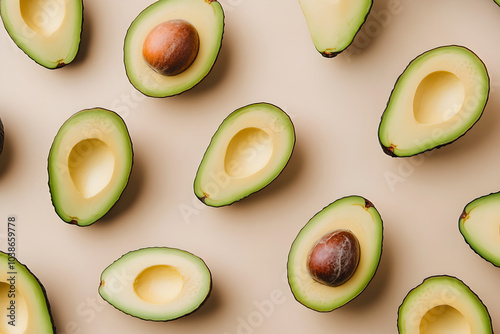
[(437, 99), (247, 152), (443, 305), (89, 165), (361, 218), (207, 17), (49, 32), (334, 24), (480, 227), (157, 283), (23, 300)]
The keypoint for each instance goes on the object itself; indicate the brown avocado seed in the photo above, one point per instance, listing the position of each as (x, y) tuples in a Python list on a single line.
[(171, 47), (334, 258)]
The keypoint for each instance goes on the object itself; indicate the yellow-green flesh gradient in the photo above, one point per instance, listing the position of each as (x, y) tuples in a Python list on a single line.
[(89, 165), (47, 31), (351, 213), (443, 305), (208, 19)]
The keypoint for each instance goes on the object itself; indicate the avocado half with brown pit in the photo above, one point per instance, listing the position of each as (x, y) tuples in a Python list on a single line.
[(437, 99), (336, 254), (172, 45), (443, 304), (89, 165), (49, 32), (157, 283), (248, 151)]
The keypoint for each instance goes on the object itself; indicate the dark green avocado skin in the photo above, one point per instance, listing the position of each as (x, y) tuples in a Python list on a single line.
[(1, 136)]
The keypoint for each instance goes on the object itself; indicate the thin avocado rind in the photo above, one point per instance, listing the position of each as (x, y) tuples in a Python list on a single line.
[(463, 217), (390, 150), (1, 136)]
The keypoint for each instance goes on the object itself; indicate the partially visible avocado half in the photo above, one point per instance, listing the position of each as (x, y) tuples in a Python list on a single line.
[(157, 283), (2, 134), (172, 45), (445, 305), (480, 227), (336, 254), (24, 304), (49, 32), (89, 165), (334, 24), (248, 151), (437, 99)]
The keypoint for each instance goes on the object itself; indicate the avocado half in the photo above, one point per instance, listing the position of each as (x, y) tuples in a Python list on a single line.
[(157, 283), (480, 227), (334, 24), (354, 214), (207, 18), (248, 151), (437, 99), (49, 32), (443, 304), (89, 165), (25, 306), (2, 135)]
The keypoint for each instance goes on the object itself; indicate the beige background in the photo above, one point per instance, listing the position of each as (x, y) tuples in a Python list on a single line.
[(336, 104)]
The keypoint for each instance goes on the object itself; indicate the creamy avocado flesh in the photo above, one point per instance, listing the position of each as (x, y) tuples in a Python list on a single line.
[(89, 165), (438, 98), (181, 34), (247, 152), (356, 215), (49, 32), (157, 283), (443, 305), (20, 288)]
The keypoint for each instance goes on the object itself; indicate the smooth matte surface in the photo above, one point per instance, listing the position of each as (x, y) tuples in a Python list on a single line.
[(335, 104)]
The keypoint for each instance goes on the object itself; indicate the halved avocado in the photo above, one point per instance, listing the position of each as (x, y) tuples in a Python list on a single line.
[(359, 217), (89, 165), (444, 305), (480, 227), (247, 152), (157, 283), (206, 17), (438, 98), (49, 32), (334, 24), (24, 304), (1, 136)]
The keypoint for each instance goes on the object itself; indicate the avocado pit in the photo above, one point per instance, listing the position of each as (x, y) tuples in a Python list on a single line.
[(171, 47), (334, 258)]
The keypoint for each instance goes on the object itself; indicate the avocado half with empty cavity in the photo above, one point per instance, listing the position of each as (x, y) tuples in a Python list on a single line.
[(336, 254), (157, 283), (480, 227), (89, 165), (24, 304), (437, 99), (443, 304), (334, 24), (248, 151), (49, 32), (172, 45)]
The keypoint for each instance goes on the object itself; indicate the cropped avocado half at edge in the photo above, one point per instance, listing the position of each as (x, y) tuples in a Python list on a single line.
[(336, 254), (172, 45), (2, 134), (334, 24), (25, 306), (445, 305), (157, 283), (248, 151), (49, 32), (437, 99), (480, 227), (89, 165)]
